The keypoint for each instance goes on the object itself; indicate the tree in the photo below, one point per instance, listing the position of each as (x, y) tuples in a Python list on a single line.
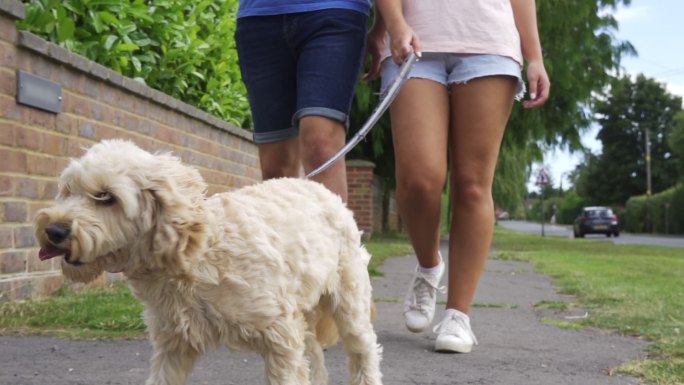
[(512, 168), (676, 141), (579, 52), (630, 109), (581, 177)]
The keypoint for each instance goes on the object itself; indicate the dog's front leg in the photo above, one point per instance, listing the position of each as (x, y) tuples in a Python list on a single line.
[(290, 369), (284, 357), (171, 362)]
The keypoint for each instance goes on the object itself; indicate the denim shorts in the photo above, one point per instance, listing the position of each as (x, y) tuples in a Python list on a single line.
[(300, 64), (451, 68)]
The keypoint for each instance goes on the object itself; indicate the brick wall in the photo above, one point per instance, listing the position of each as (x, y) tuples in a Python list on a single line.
[(359, 181), (394, 223), (385, 212), (98, 103)]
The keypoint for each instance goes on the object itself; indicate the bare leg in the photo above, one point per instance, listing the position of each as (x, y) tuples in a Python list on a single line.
[(280, 159), (320, 139), (420, 121), (479, 113)]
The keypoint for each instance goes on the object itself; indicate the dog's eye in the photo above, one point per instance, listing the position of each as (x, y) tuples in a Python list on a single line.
[(104, 198)]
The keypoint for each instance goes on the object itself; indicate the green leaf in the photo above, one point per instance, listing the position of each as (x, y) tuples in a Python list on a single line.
[(108, 18), (61, 14), (96, 3), (97, 22), (141, 14), (126, 29), (143, 42), (136, 64), (127, 47), (44, 22), (73, 6), (65, 30), (109, 41)]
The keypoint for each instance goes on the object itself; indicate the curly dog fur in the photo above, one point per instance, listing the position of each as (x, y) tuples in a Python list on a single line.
[(277, 267)]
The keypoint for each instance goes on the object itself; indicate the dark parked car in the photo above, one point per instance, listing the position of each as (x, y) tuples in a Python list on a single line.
[(596, 220)]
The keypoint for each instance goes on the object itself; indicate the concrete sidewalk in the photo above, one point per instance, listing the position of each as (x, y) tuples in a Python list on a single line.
[(515, 346)]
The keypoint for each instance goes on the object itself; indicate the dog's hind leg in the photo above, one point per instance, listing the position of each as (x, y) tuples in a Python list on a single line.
[(353, 318), (284, 352), (321, 332), (172, 361), (314, 353)]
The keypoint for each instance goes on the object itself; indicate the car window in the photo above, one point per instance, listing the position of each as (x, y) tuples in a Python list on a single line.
[(599, 213)]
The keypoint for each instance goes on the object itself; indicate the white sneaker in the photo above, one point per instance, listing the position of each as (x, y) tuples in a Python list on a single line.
[(454, 334), (419, 305)]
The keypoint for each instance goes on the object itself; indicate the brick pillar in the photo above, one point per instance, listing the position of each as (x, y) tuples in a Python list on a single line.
[(394, 222), (360, 201)]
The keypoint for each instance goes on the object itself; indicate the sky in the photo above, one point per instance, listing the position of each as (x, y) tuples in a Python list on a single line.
[(656, 30)]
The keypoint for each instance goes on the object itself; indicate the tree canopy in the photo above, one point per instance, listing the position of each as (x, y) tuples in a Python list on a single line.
[(676, 141), (630, 110), (580, 51)]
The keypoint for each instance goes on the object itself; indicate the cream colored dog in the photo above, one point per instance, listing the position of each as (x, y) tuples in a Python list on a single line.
[(277, 267)]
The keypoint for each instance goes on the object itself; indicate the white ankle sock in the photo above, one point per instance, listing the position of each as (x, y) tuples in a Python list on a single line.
[(450, 312)]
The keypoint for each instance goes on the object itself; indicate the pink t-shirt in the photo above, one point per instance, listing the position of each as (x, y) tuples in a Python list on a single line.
[(463, 26)]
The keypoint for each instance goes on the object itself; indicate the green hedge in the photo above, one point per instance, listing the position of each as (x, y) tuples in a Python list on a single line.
[(570, 206), (184, 48), (534, 211), (666, 212)]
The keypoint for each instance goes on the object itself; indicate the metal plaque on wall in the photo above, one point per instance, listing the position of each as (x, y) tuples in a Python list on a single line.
[(38, 92)]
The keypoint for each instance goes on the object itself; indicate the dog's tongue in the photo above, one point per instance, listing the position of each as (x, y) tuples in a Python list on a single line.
[(47, 253)]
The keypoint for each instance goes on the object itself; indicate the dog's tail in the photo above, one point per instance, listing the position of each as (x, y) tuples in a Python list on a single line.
[(325, 329)]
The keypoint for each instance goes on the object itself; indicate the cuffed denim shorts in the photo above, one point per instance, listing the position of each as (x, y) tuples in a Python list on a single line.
[(300, 64), (451, 68)]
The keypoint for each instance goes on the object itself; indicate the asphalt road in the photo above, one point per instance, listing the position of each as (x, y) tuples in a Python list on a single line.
[(516, 346), (566, 231)]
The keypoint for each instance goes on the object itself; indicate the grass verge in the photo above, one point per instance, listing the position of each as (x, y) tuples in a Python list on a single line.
[(102, 313), (112, 312), (631, 289), (383, 246)]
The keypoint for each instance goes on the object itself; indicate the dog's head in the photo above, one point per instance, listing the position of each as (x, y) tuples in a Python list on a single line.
[(120, 208)]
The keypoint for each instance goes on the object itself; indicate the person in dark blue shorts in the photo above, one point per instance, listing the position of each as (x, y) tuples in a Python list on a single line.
[(300, 61)]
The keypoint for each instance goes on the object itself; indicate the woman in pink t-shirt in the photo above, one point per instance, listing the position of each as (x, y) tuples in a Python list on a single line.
[(457, 100)]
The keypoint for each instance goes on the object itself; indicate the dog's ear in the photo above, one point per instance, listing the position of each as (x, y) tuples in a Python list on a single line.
[(178, 192)]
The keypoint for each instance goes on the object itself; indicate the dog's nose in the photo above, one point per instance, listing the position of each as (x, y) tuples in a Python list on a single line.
[(57, 232)]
